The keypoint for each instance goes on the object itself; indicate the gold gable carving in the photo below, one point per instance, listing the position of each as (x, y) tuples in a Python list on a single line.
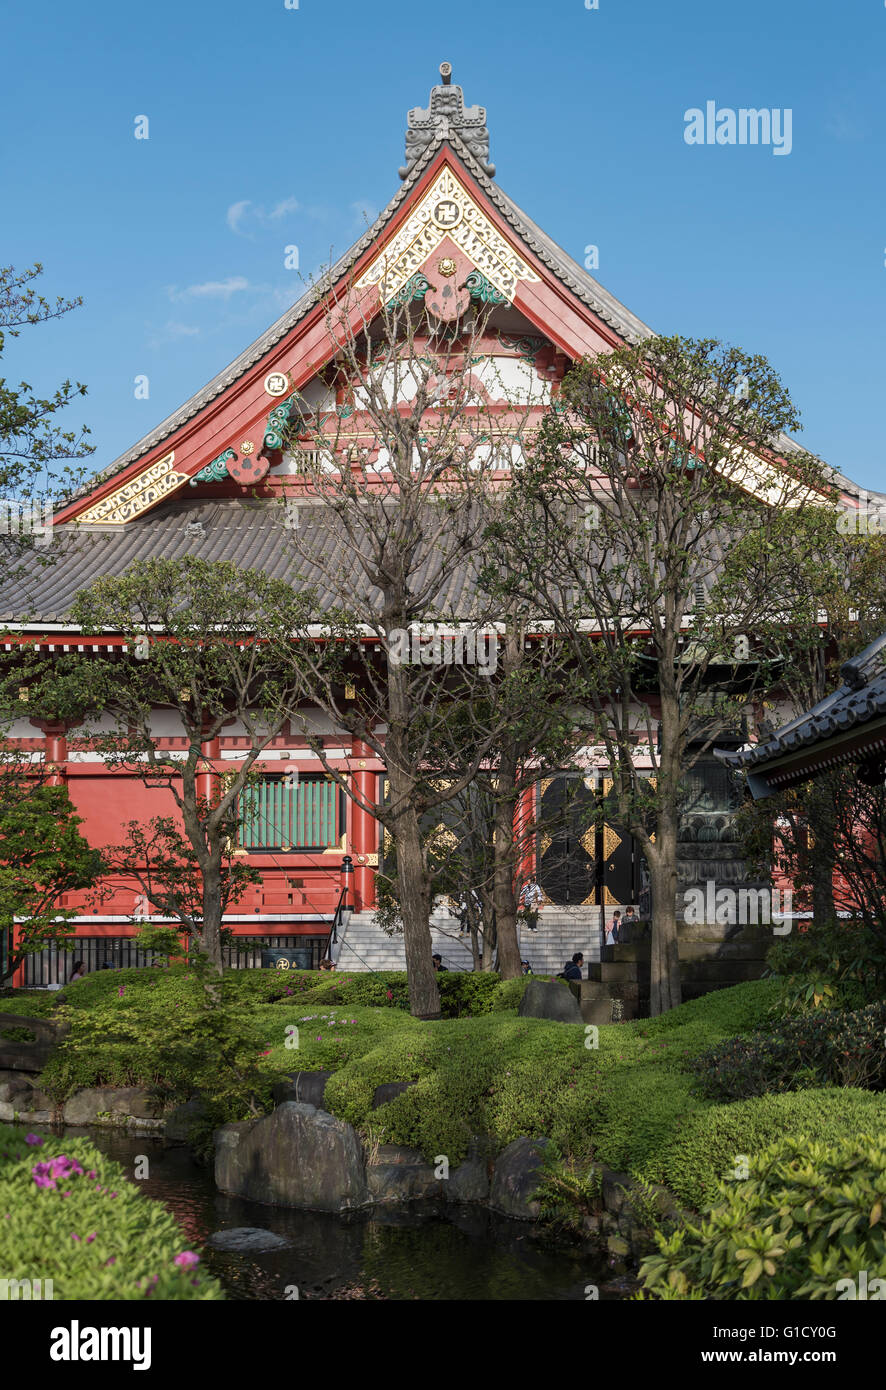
[(136, 496), (447, 210)]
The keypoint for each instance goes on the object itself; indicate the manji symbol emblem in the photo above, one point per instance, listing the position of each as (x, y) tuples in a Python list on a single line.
[(447, 210)]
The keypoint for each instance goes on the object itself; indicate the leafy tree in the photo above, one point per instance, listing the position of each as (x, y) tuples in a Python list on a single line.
[(653, 463), (32, 444), (203, 643), (42, 855)]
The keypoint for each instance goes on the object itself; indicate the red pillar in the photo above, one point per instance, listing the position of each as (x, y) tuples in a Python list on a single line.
[(55, 753), (364, 827), (524, 818), (207, 781)]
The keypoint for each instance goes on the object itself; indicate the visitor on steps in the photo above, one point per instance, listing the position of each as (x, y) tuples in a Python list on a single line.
[(572, 969), (614, 932), (630, 916), (530, 902)]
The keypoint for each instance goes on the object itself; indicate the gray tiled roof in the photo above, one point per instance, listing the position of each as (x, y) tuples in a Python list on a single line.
[(249, 534), (859, 701)]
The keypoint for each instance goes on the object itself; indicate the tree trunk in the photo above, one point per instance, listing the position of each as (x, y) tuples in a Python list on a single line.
[(212, 913), (664, 983), (822, 819), (509, 962), (415, 908)]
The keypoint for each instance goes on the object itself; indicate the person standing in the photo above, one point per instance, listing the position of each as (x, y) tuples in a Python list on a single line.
[(530, 902), (612, 935)]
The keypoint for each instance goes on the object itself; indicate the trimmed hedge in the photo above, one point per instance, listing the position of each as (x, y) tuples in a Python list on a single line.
[(69, 1214), (807, 1223), (711, 1143)]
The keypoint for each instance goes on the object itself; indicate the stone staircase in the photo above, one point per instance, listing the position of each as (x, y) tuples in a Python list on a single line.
[(362, 945)]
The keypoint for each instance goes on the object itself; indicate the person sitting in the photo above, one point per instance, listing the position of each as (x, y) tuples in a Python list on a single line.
[(437, 962), (572, 970), (78, 972), (327, 964)]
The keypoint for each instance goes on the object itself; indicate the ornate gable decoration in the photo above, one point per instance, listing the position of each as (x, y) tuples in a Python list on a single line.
[(137, 495), (447, 111), (447, 210)]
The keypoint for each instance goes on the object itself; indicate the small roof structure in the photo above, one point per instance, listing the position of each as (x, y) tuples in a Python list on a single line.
[(848, 726)]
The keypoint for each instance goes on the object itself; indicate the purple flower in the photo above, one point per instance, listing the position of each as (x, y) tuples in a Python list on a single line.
[(74, 1236), (121, 991), (92, 1173), (111, 1260), (33, 1139), (187, 1259), (91, 1237)]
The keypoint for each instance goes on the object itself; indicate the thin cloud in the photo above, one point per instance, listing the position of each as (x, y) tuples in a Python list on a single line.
[(244, 218), (173, 331), (212, 289)]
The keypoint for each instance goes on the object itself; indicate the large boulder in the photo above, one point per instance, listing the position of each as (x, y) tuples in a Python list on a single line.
[(515, 1179), (395, 1174), (303, 1087), (469, 1182), (85, 1107), (298, 1156), (550, 999), (179, 1123)]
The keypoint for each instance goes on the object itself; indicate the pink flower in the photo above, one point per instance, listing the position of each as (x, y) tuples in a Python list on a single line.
[(74, 1236), (111, 1260), (33, 1139), (92, 1173), (121, 991), (187, 1259), (91, 1237)]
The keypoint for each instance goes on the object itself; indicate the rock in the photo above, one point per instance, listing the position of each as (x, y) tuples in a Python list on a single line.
[(178, 1123), (85, 1107), (13, 1110), (617, 1245), (396, 1174), (389, 1090), (515, 1178), (298, 1156), (303, 1087), (469, 1182), (616, 1190), (246, 1238), (549, 999)]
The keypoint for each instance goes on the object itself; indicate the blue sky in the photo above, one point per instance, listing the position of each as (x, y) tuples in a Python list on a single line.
[(272, 127)]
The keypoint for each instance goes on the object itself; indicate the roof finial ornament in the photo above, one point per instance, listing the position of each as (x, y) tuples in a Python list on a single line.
[(447, 113)]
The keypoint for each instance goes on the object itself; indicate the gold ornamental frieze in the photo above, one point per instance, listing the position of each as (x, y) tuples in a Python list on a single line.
[(136, 496), (447, 210)]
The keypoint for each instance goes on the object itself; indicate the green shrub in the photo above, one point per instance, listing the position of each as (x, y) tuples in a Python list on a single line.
[(712, 1142), (805, 1224), (835, 1047), (835, 964), (92, 1232)]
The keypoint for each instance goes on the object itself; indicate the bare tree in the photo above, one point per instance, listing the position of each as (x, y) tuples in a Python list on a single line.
[(391, 481)]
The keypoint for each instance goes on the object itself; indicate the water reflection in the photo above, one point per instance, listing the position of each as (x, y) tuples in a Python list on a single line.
[(418, 1253)]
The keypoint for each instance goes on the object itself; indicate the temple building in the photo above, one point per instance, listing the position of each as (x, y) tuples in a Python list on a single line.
[(193, 485)]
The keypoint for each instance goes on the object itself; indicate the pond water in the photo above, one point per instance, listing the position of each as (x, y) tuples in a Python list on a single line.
[(416, 1253)]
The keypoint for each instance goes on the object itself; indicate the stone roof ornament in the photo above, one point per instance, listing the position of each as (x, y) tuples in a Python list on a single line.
[(447, 114)]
